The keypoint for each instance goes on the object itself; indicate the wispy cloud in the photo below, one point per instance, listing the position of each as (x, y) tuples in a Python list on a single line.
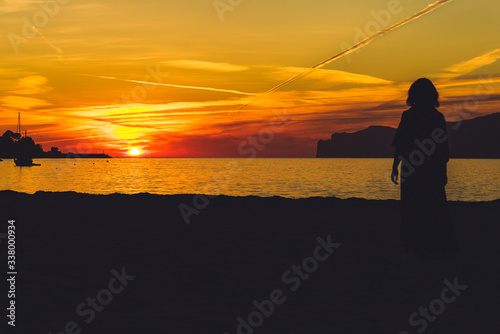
[(205, 65), (469, 81), (23, 102), (13, 72), (456, 74), (172, 85), (331, 76), (469, 65), (11, 6), (31, 85)]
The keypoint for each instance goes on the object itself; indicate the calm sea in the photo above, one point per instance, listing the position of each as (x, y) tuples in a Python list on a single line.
[(469, 180)]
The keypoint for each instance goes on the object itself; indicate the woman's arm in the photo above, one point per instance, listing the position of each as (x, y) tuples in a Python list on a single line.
[(398, 143), (394, 174)]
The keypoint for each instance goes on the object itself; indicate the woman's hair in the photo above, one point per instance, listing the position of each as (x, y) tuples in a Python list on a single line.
[(423, 93)]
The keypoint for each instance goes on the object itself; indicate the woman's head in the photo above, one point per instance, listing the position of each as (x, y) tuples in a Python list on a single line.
[(423, 93)]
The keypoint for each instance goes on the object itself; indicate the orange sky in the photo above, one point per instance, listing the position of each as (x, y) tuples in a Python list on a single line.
[(170, 77)]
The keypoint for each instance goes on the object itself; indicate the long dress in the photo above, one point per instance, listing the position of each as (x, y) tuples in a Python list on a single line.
[(421, 143)]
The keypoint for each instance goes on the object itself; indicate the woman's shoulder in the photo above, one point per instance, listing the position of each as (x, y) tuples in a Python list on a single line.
[(440, 115), (425, 112), (407, 113)]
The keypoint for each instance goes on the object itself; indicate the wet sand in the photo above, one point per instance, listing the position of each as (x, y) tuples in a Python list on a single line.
[(144, 270)]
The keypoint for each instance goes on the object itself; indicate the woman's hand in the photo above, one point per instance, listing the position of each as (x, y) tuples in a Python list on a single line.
[(394, 175)]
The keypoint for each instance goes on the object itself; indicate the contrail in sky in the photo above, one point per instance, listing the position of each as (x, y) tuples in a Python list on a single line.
[(353, 48), (171, 85), (58, 50)]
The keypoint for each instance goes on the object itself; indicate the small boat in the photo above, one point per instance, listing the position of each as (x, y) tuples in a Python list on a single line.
[(25, 162)]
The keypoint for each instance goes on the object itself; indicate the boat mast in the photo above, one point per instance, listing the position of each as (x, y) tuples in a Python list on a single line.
[(18, 130)]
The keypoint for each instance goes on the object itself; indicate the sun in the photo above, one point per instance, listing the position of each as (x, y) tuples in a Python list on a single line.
[(134, 151)]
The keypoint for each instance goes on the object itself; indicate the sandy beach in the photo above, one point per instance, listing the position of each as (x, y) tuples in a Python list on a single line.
[(131, 264)]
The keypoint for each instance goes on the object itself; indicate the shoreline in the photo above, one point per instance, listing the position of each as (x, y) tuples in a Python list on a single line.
[(223, 196)]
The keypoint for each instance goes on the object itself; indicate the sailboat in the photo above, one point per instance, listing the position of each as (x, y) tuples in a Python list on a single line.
[(23, 161)]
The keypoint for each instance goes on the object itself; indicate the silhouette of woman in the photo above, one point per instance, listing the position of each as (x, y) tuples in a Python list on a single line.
[(421, 145)]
